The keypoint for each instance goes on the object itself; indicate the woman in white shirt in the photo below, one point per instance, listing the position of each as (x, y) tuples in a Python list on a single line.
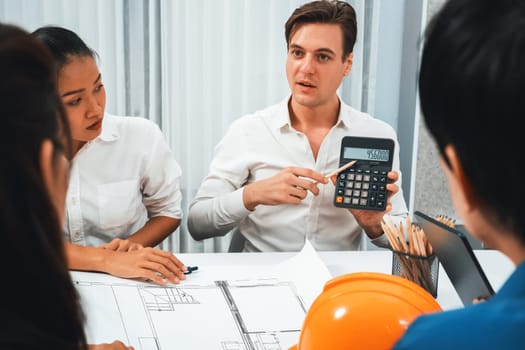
[(124, 189)]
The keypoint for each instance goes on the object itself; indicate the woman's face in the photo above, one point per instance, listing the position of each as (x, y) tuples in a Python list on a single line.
[(84, 98)]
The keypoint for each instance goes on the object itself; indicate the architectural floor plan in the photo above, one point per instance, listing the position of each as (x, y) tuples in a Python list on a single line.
[(256, 315), (219, 307)]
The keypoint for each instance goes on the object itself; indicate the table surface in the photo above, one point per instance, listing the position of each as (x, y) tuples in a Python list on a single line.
[(496, 266)]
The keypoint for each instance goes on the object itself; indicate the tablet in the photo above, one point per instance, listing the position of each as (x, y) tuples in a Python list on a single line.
[(457, 258)]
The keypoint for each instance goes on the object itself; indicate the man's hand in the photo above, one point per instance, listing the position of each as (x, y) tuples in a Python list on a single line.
[(290, 186), (370, 220)]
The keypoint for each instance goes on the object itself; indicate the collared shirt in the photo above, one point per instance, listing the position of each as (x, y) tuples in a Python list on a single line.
[(120, 179), (498, 323), (261, 145)]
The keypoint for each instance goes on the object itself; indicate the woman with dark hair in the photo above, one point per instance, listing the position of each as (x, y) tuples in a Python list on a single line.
[(40, 308), (124, 191)]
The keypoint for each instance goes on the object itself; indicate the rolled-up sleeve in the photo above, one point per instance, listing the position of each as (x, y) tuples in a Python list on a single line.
[(218, 206), (161, 180)]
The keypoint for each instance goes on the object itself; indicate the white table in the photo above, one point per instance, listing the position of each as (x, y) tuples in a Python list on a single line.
[(497, 266), (150, 317)]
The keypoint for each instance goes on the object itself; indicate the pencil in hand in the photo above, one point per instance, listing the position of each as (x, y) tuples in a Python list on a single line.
[(338, 170)]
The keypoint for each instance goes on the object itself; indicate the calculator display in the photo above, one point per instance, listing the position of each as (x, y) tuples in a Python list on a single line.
[(366, 154), (363, 185)]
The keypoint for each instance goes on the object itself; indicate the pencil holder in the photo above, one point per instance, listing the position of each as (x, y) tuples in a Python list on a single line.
[(422, 270)]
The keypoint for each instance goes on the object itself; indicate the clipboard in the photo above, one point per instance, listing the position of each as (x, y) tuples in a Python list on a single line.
[(457, 257)]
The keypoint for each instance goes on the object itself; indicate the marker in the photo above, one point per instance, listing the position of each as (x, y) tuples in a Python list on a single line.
[(190, 269)]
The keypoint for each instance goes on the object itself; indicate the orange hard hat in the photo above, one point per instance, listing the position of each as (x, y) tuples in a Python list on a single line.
[(365, 310)]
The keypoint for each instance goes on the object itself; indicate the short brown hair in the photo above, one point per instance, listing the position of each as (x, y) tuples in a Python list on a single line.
[(325, 11)]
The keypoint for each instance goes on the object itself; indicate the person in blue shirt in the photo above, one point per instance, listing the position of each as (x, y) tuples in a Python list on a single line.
[(471, 85)]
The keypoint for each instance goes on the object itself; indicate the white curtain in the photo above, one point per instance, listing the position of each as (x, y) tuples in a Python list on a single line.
[(193, 67)]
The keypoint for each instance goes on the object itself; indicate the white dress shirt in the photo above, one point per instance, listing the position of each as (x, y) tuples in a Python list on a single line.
[(119, 180), (260, 145)]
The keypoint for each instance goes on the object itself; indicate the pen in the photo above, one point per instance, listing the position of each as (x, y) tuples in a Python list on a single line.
[(190, 269)]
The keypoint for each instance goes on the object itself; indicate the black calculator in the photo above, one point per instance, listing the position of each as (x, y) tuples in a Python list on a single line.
[(363, 185)]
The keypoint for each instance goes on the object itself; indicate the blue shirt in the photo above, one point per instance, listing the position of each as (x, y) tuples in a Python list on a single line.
[(498, 323)]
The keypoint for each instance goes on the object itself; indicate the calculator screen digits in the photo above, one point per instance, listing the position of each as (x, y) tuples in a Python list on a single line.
[(382, 155)]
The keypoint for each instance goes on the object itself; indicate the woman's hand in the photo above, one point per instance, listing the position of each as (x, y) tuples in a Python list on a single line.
[(121, 245), (153, 264), (116, 345)]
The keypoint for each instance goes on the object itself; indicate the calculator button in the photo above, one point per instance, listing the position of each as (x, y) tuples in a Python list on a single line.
[(347, 200), (365, 186), (380, 204), (364, 194), (381, 196), (351, 176), (340, 191), (382, 188), (341, 184), (358, 185), (357, 193), (348, 193), (382, 179), (349, 184), (339, 199), (375, 178), (363, 202), (342, 176), (359, 177), (374, 187), (366, 178), (355, 201)]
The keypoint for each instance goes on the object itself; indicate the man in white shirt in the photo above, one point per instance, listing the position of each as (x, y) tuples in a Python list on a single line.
[(267, 176)]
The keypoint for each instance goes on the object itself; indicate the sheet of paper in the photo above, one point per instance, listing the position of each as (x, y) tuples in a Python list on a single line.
[(307, 271), (220, 307)]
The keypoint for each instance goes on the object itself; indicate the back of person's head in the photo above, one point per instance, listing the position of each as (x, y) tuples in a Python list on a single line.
[(40, 305), (326, 12), (471, 84), (63, 43)]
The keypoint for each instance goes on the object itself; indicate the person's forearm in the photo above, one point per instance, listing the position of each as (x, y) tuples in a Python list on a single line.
[(216, 216), (155, 231), (86, 258), (202, 225)]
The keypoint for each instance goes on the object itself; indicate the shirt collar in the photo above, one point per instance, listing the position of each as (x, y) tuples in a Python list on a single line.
[(282, 115), (110, 131), (345, 116)]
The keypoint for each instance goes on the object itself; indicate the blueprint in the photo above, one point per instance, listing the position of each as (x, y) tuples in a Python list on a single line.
[(246, 313)]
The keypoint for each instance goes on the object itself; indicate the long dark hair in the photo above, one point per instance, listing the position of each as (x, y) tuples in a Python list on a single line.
[(40, 307)]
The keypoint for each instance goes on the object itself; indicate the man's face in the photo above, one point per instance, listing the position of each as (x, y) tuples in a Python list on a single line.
[(314, 66)]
